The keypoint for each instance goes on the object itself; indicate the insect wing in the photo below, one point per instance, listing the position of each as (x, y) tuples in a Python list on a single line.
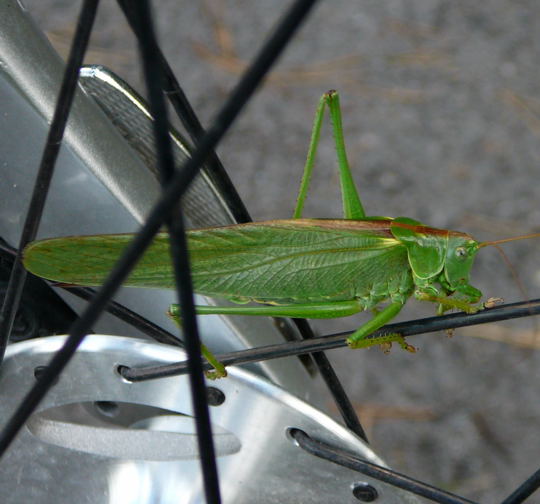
[(87, 260), (274, 261), (292, 260)]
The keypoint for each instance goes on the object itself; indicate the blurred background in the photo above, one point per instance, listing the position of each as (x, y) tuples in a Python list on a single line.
[(441, 105)]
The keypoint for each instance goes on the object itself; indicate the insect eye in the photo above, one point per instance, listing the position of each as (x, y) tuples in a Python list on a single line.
[(461, 252)]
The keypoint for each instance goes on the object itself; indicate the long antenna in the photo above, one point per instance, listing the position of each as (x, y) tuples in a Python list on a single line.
[(505, 240), (513, 271)]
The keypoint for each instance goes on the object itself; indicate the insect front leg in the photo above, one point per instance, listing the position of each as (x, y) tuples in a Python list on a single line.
[(352, 206), (467, 303)]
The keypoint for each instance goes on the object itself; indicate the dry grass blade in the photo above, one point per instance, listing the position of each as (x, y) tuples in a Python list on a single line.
[(520, 338)]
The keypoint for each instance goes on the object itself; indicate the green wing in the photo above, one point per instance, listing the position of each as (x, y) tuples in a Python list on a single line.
[(87, 260), (273, 261)]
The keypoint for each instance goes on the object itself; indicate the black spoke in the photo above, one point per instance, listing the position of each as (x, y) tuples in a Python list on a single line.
[(337, 456), (46, 167), (333, 383), (154, 77), (410, 328), (193, 126), (526, 489)]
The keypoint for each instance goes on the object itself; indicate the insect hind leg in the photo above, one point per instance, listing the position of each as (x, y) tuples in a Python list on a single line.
[(352, 206), (330, 309)]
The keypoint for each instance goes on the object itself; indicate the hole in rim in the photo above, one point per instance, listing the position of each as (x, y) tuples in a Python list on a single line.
[(109, 409), (364, 492), (120, 370), (215, 396), (290, 433), (39, 371)]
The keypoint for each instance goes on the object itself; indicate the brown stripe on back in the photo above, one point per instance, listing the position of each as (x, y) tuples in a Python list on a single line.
[(380, 227), (421, 229), (431, 230), (463, 235)]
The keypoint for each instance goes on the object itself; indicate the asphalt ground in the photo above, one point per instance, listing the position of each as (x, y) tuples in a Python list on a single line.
[(441, 103)]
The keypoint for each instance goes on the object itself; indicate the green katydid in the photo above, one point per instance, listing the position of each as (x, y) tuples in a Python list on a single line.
[(305, 268)]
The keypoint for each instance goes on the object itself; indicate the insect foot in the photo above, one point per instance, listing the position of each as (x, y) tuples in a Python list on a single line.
[(385, 342), (218, 370), (406, 346), (387, 346), (174, 313), (216, 374), (400, 340), (492, 302)]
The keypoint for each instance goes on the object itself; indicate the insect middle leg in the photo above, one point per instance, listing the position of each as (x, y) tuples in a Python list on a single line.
[(359, 339)]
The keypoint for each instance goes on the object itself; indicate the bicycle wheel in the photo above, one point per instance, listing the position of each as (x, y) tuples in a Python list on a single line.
[(475, 423)]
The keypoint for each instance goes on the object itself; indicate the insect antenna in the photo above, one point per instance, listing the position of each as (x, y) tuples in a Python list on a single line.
[(515, 276), (513, 271), (506, 240)]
